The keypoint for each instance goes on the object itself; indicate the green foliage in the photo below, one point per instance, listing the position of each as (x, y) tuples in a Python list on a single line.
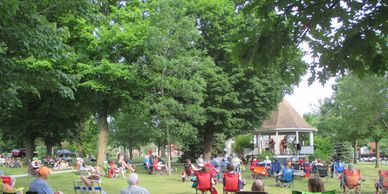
[(362, 103), (340, 39), (173, 68), (323, 148), (263, 155), (85, 137), (33, 53), (131, 128), (218, 144), (343, 151), (241, 142)]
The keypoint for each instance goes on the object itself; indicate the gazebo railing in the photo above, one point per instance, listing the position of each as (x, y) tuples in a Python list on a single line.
[(306, 150)]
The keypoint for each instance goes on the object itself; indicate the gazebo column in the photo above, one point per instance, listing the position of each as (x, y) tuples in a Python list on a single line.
[(259, 141), (256, 140), (297, 136), (277, 143), (311, 138)]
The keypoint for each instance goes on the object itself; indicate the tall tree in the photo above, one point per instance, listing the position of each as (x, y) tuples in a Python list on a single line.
[(174, 66), (107, 43), (240, 97), (362, 103), (34, 61)]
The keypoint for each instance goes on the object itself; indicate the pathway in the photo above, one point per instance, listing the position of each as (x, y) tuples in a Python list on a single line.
[(52, 172)]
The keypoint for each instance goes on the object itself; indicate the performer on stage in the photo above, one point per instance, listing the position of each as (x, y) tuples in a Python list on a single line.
[(272, 145), (283, 145)]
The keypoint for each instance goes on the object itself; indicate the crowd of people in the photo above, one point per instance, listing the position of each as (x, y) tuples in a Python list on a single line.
[(10, 162), (154, 164), (219, 169)]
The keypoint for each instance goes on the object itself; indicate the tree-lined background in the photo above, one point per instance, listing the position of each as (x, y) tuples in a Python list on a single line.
[(189, 73)]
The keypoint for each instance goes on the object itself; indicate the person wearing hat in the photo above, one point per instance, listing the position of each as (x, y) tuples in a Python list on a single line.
[(40, 184), (133, 187)]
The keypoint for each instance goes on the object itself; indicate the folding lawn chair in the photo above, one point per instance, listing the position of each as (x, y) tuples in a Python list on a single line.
[(81, 187), (351, 180), (287, 178), (204, 182), (322, 172), (382, 183), (10, 185), (231, 182)]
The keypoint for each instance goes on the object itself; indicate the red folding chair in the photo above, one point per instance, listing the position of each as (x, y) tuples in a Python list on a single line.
[(351, 180), (7, 180), (204, 182), (230, 182), (382, 183)]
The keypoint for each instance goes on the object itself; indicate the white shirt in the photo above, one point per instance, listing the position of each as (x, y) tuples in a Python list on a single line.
[(134, 189)]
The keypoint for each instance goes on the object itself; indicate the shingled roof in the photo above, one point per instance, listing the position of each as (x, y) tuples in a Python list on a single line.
[(285, 119)]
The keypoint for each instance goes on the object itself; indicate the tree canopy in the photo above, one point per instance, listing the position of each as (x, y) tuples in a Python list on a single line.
[(201, 70)]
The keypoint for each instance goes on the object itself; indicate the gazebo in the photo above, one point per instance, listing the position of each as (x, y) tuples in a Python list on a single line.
[(285, 122)]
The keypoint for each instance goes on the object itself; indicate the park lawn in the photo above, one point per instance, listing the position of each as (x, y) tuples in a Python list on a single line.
[(163, 184)]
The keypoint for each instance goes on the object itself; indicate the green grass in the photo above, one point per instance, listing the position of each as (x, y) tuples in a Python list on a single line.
[(163, 184)]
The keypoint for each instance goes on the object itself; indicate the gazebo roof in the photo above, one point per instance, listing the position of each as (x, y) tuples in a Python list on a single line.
[(286, 119)]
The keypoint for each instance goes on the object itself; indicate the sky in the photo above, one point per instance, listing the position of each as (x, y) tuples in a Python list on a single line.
[(305, 97)]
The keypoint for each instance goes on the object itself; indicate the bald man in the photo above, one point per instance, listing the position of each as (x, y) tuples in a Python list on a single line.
[(258, 185), (133, 187)]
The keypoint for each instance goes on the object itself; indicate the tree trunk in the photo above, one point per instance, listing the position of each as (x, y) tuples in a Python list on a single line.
[(49, 149), (168, 150), (208, 144), (126, 152), (377, 154), (355, 152), (130, 150), (163, 150), (80, 150), (29, 144), (102, 133)]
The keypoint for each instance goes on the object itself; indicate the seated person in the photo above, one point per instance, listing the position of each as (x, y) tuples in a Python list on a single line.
[(253, 161), (40, 184), (133, 186), (81, 166), (64, 164), (350, 178), (187, 167), (114, 170), (339, 167), (232, 179), (383, 180), (306, 167), (276, 167), (315, 184), (286, 175), (8, 184), (322, 171), (147, 164), (258, 185), (122, 164), (203, 180), (36, 163), (57, 164)]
